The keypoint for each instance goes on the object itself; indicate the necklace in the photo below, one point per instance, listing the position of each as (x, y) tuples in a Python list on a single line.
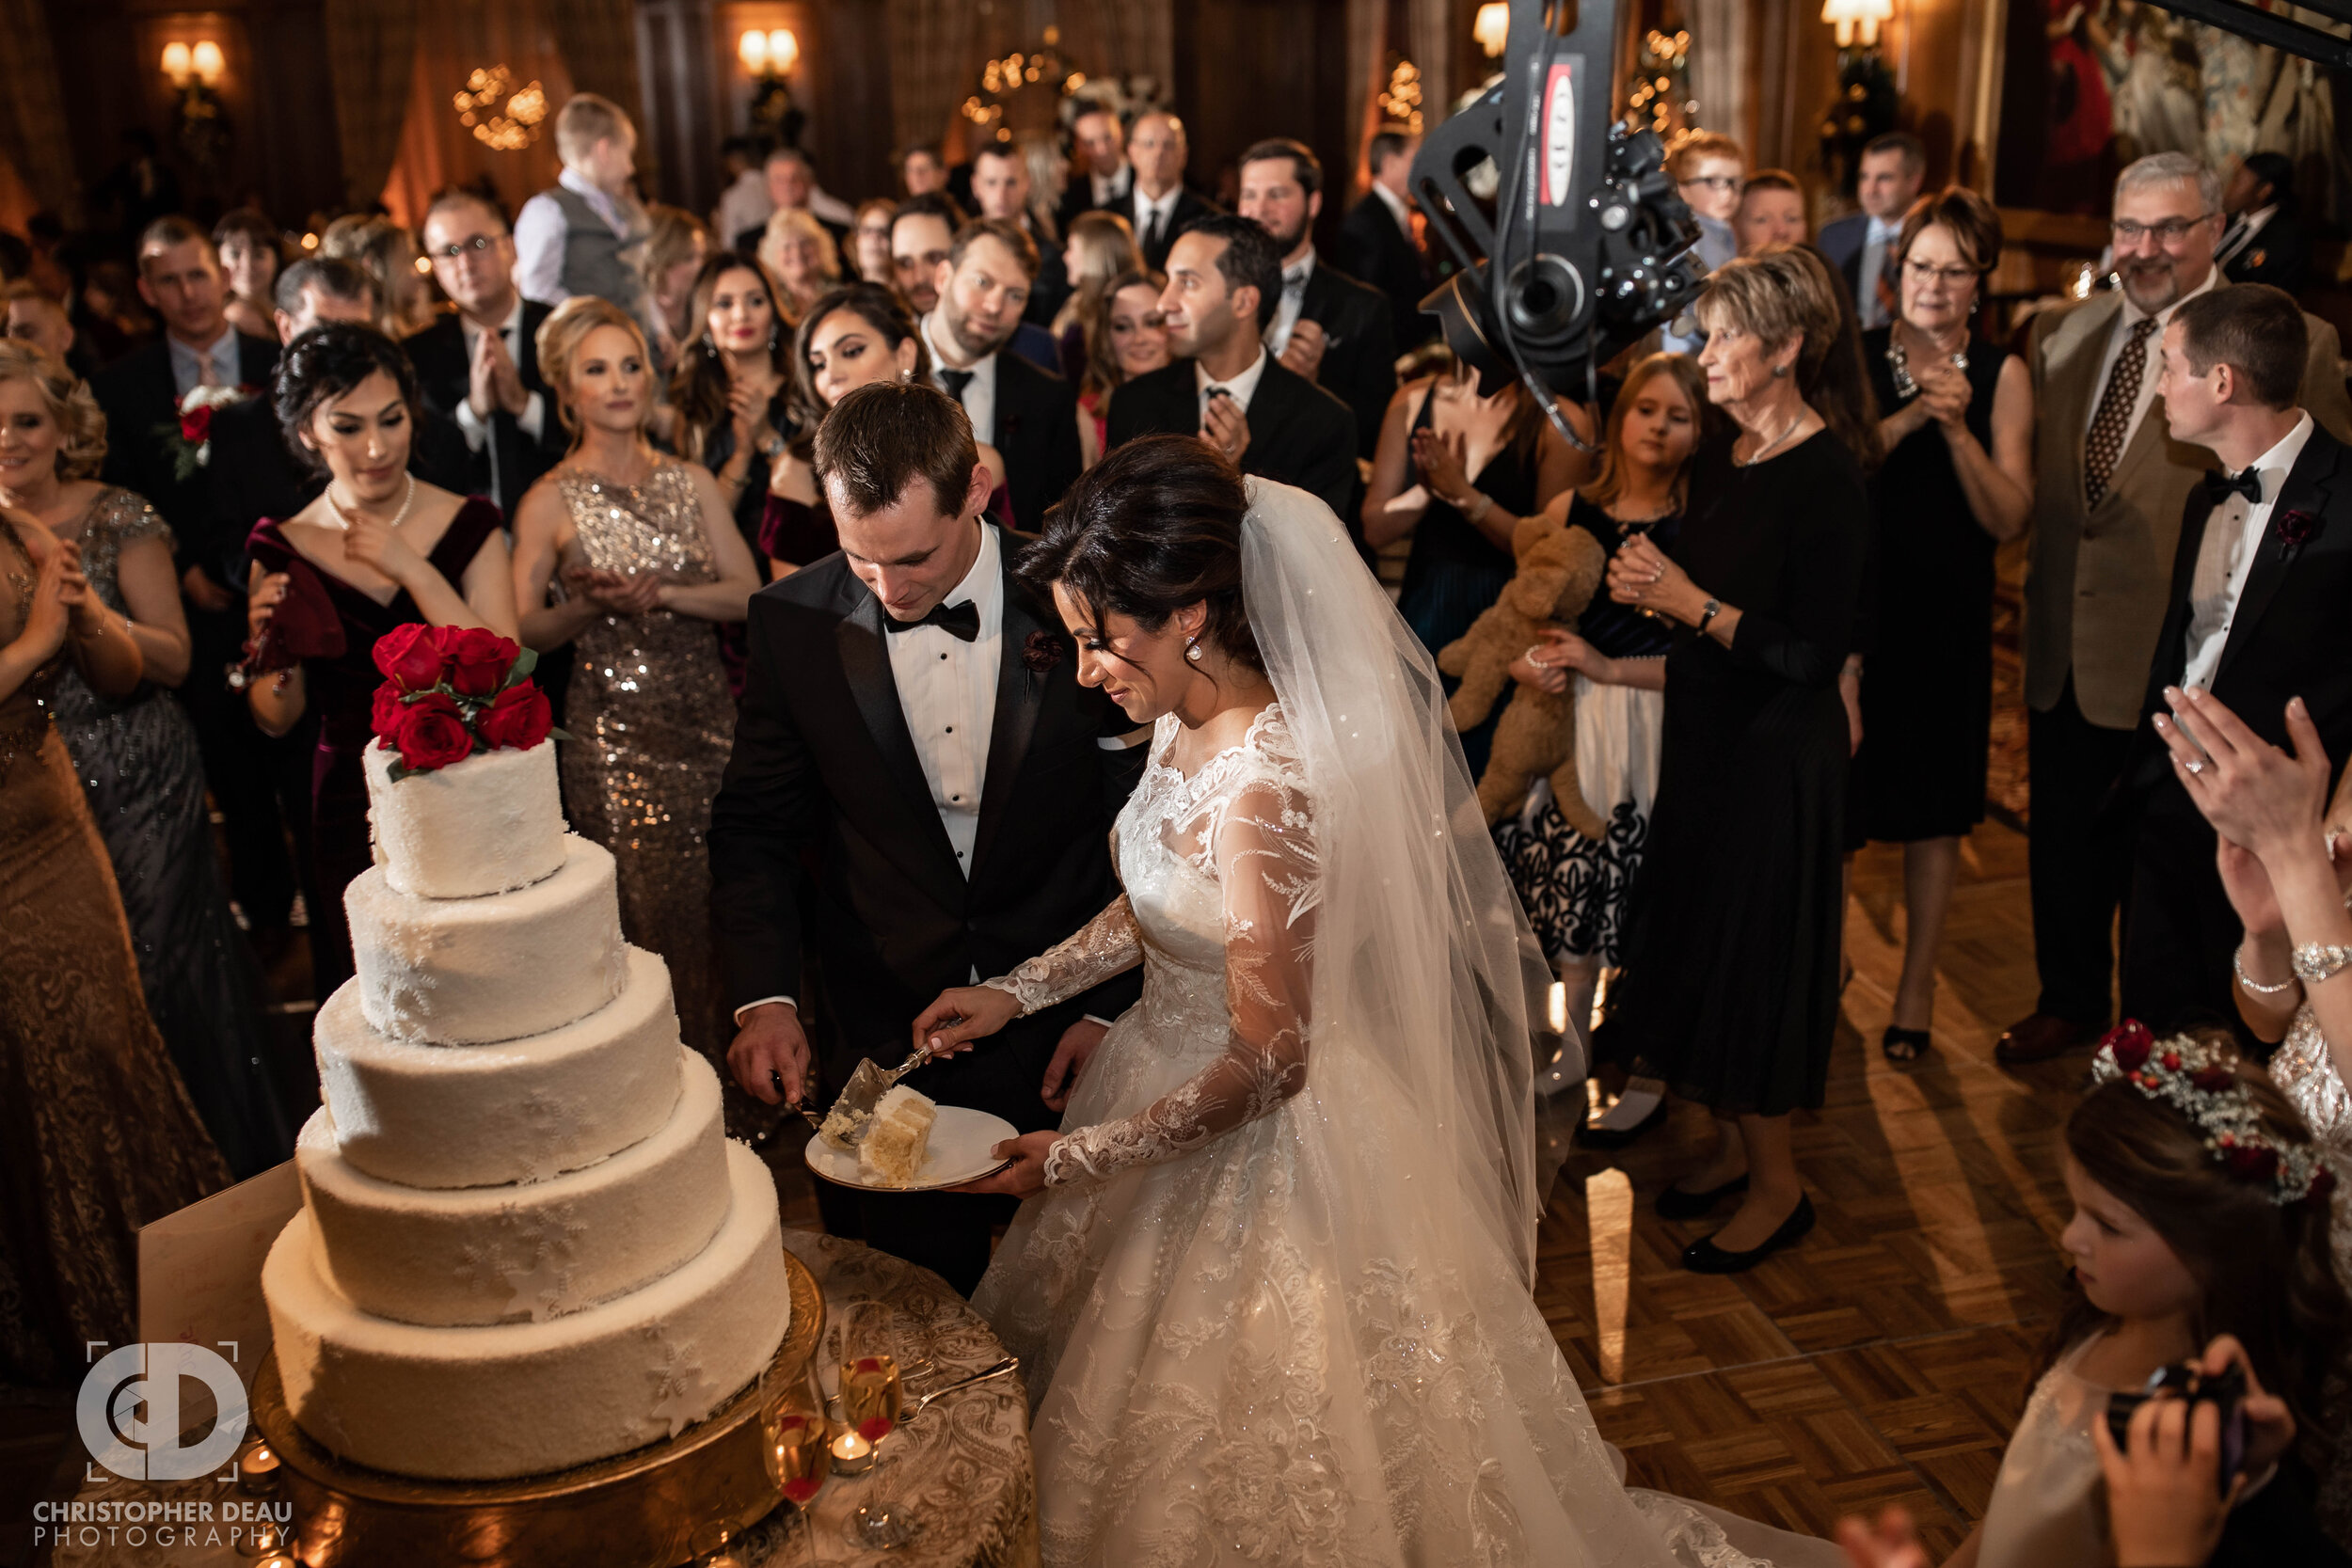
[(1899, 363), (407, 499), (1786, 431)]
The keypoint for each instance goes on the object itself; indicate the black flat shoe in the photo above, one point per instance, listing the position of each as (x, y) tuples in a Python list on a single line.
[(1903, 1045), (1592, 1136), (1705, 1257), (1676, 1204)]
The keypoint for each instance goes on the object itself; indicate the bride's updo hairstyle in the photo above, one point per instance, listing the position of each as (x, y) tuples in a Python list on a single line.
[(1152, 527)]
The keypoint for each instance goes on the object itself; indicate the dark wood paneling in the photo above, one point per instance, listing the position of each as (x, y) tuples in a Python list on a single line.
[(1250, 68), (849, 130)]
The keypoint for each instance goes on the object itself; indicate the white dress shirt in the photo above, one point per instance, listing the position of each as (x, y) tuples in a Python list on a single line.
[(2125, 319), (1875, 245), (540, 229), (1294, 276), (533, 419), (2226, 555), (979, 393), (1243, 386), (743, 205), (2241, 234), (216, 364), (1149, 212), (1397, 208), (1107, 188)]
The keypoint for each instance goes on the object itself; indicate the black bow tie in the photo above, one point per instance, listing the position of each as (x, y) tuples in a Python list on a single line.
[(2219, 484), (959, 621)]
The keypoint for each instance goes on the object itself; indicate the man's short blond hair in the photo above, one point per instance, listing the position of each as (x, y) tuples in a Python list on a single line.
[(586, 119)]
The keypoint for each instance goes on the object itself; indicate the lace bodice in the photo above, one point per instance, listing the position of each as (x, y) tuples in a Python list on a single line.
[(1221, 880), (2302, 1067)]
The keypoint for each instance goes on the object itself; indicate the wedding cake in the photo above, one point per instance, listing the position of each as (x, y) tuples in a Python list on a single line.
[(526, 1242)]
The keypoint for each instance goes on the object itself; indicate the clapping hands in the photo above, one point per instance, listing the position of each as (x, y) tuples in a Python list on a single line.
[(615, 592)]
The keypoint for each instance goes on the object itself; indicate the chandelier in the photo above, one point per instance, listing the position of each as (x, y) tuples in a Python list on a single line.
[(1004, 81), (501, 115)]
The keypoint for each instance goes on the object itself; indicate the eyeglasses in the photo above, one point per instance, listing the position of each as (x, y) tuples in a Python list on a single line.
[(458, 247), (1923, 271), (1715, 182), (2171, 231)]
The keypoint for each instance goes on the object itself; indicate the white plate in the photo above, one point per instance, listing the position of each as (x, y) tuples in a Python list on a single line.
[(958, 1151)]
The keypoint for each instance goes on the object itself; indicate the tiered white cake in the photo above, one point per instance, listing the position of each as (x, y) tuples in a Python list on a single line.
[(526, 1242)]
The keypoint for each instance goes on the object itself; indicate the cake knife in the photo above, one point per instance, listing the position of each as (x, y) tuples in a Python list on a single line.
[(859, 1097)]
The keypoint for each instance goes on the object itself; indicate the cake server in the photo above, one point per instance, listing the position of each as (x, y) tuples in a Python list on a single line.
[(1009, 1364), (844, 1126)]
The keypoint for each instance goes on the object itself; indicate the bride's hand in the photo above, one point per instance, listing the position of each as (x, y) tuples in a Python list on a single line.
[(963, 1014), (1025, 1176)]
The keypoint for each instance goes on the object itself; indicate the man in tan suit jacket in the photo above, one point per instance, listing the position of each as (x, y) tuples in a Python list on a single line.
[(2110, 488)]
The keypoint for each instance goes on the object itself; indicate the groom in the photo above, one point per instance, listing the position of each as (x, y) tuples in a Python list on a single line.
[(921, 795)]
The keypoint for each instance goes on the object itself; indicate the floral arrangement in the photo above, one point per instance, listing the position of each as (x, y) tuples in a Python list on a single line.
[(2201, 1083), (449, 691), (190, 441)]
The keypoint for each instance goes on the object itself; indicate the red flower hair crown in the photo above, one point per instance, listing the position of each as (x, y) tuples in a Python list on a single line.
[(2201, 1083)]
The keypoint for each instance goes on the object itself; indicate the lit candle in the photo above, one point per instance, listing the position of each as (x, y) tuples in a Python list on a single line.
[(851, 1454), (257, 1470), (278, 1560)]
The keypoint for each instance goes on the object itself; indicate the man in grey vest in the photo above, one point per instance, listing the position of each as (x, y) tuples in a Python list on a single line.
[(585, 235)]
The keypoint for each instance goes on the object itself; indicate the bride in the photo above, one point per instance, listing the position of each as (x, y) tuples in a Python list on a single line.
[(1273, 1293)]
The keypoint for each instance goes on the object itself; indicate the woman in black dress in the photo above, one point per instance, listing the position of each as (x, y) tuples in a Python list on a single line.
[(1958, 481), (1729, 986)]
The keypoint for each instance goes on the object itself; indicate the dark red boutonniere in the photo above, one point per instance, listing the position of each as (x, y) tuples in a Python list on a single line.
[(449, 691), (2297, 529), (1040, 652)]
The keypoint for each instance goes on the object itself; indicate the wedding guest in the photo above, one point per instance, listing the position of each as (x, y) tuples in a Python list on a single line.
[(1771, 211), (1710, 168), (2259, 584), (2109, 496), (1460, 472), (583, 235), (98, 1135), (136, 756), (744, 204), (801, 258), (732, 390), (921, 173), (33, 316), (376, 549), (179, 276), (1223, 281), (1380, 244), (792, 187), (1576, 888), (1958, 481), (1100, 177), (649, 558), (390, 255), (2265, 242), (1858, 243), (1099, 247), (251, 255), (1160, 206), (676, 244), (1328, 326), (920, 237), (1028, 414), (1125, 338), (1743, 883), (869, 239), (1003, 190)]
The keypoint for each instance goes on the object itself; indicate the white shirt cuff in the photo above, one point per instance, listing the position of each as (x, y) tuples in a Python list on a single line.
[(533, 419), (1098, 1018), (761, 1002), (477, 433)]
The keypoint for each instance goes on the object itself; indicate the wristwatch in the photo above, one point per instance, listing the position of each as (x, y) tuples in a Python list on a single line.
[(772, 446), (1708, 611)]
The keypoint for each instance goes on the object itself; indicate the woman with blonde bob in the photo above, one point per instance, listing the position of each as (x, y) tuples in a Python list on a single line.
[(801, 256), (1729, 986)]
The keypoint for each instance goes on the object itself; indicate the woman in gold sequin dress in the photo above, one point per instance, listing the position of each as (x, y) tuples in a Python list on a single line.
[(97, 1133), (642, 558)]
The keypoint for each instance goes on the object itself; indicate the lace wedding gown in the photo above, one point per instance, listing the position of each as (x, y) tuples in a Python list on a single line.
[(1250, 1333)]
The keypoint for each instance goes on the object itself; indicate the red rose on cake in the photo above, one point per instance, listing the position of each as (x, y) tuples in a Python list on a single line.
[(478, 658), (517, 716), (411, 656), (385, 718), (432, 733)]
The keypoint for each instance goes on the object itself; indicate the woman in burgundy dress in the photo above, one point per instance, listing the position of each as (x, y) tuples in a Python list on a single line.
[(376, 549)]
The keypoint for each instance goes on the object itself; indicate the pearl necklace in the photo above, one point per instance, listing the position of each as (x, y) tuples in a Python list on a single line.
[(408, 499)]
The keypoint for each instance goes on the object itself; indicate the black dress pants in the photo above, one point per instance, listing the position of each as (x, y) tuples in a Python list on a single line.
[(2078, 855), (248, 773), (2179, 930)]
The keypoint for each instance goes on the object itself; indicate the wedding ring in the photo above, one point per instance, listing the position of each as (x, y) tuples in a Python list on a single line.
[(2196, 766)]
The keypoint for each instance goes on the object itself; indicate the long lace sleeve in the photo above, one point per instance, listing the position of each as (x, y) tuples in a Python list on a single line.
[(1106, 945), (1261, 842)]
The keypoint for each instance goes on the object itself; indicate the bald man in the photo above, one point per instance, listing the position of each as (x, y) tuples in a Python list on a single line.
[(1160, 206)]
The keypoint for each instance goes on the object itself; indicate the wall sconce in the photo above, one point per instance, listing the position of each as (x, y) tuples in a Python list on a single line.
[(200, 119), (200, 65), (770, 54), (1493, 27), (1857, 20), (770, 57)]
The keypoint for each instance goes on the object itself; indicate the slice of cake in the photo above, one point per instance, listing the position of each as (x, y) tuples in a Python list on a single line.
[(893, 1149)]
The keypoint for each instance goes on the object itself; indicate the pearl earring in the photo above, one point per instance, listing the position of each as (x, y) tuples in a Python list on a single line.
[(1192, 649)]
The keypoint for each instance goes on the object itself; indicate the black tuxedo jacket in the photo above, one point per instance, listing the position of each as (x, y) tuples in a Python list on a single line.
[(1375, 251), (1360, 347), (1299, 434), (2291, 634), (1190, 209), (255, 475), (445, 375), (142, 403), (824, 836), (1079, 196), (2280, 255), (1037, 433)]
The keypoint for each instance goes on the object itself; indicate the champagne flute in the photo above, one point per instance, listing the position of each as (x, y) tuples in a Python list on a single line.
[(798, 1452), (871, 1403)]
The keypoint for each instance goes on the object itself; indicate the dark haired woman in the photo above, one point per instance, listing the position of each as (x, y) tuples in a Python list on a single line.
[(1958, 481), (729, 396), (376, 549), (1125, 336), (1729, 986)]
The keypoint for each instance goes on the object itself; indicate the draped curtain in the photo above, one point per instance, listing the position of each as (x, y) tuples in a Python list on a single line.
[(32, 115), (1723, 44), (371, 56), (1367, 72), (597, 39)]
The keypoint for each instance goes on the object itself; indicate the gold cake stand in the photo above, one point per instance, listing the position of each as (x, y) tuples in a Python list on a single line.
[(653, 1507)]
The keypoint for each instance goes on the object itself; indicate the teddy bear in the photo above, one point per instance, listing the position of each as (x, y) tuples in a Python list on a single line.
[(1559, 570)]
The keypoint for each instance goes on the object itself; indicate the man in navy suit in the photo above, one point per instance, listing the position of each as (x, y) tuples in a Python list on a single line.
[(1857, 244), (1376, 243)]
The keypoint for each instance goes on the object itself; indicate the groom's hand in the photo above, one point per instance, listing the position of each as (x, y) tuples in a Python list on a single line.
[(770, 1045), (1070, 1059)]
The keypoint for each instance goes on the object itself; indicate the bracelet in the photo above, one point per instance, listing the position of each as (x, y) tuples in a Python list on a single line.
[(2315, 962), (1486, 504), (2254, 986)]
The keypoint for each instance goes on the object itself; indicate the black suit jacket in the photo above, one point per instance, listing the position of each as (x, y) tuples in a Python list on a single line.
[(2279, 256), (1360, 347), (1299, 434), (2291, 634), (1079, 196), (445, 375), (1052, 283), (824, 836), (1190, 209), (1374, 249), (1036, 433), (142, 403)]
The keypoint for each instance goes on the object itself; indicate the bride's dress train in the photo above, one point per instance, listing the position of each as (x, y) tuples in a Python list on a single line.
[(1274, 1305)]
